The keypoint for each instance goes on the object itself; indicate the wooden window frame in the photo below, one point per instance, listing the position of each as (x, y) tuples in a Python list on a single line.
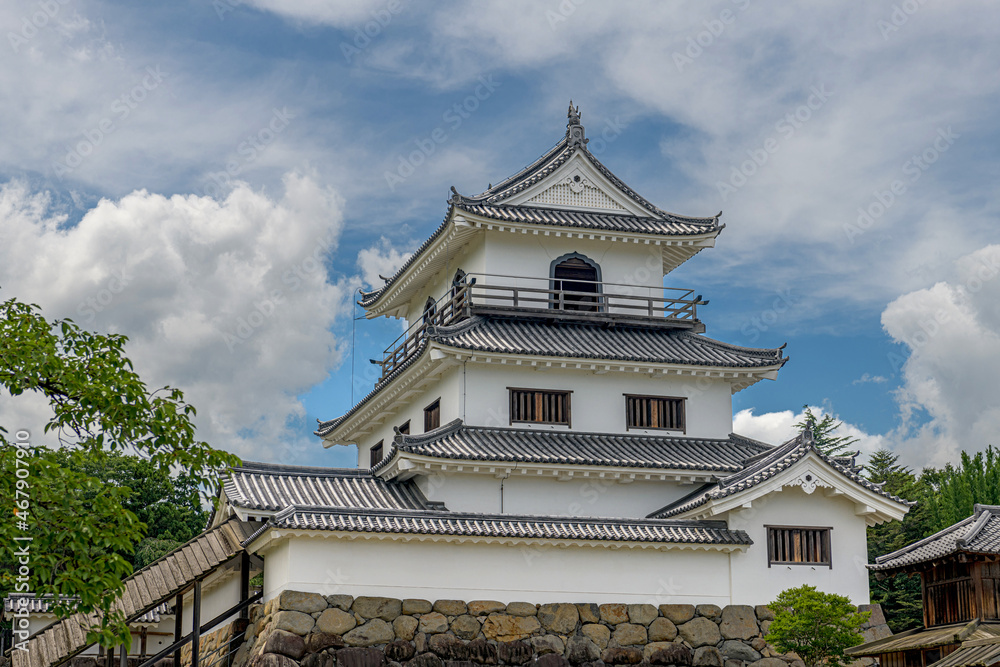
[(436, 404), (378, 447), (404, 428), (567, 393), (683, 404), (827, 546)]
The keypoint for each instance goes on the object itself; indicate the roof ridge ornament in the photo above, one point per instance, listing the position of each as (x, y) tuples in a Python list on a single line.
[(575, 136)]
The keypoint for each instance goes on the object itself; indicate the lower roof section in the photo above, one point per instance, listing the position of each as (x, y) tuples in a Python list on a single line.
[(923, 638), (457, 441), (977, 534), (506, 527)]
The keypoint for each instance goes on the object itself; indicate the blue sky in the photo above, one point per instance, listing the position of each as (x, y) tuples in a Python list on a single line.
[(217, 178)]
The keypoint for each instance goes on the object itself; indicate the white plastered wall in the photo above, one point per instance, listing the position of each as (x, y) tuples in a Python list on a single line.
[(755, 582), (538, 574)]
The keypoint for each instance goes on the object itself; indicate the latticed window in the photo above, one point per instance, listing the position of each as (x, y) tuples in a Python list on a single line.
[(663, 412), (432, 416), (789, 545), (539, 406)]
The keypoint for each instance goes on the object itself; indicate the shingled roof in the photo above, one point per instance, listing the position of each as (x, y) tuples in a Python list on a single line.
[(766, 465), (494, 204), (506, 526), (271, 487), (977, 534), (520, 445), (43, 605), (592, 340)]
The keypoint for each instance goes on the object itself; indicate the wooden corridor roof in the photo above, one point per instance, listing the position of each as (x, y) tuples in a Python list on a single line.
[(151, 586)]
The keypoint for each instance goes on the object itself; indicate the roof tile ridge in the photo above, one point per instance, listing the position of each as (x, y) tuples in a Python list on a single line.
[(550, 155), (257, 467), (405, 439), (731, 346), (981, 519), (923, 542)]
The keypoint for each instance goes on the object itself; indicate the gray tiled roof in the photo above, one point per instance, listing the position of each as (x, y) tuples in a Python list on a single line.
[(506, 526), (43, 605), (490, 204), (979, 533), (974, 653), (521, 445), (653, 344), (270, 487), (763, 467)]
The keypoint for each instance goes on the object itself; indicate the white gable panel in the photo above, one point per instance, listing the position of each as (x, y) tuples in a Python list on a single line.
[(578, 185)]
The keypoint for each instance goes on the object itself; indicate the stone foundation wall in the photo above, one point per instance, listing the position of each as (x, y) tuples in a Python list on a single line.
[(311, 630)]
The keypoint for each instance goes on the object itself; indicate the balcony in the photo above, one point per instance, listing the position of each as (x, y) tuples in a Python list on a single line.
[(562, 299)]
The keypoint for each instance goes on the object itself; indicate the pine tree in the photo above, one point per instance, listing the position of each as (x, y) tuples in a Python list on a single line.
[(823, 432)]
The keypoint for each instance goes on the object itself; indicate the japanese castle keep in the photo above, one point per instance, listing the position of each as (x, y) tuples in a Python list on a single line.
[(552, 427)]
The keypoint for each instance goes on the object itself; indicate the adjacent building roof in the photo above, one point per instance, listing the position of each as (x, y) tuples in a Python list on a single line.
[(585, 340), (766, 465), (506, 526), (977, 534), (43, 605), (973, 653), (146, 590), (271, 487), (495, 204), (921, 638), (520, 445)]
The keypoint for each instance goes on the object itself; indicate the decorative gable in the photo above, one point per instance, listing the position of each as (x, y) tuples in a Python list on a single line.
[(576, 191)]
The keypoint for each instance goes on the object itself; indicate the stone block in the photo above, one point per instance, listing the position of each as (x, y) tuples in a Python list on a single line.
[(763, 613), (399, 651), (274, 660), (677, 613), (425, 660), (320, 641), (386, 609), (375, 631), (505, 628), (515, 653), (769, 662), (580, 649), (597, 633), (712, 611), (707, 656), (550, 660), (589, 613), (335, 621), (642, 614), (671, 654), (433, 623), (285, 643), (304, 602), (296, 622), (758, 644), (621, 656), (739, 622), (450, 607), (321, 659), (342, 602), (416, 606), (485, 607), (481, 652), (448, 646), (360, 657), (699, 632), (736, 650), (405, 627), (662, 630), (548, 644), (613, 614), (559, 618), (629, 634), (466, 627), (521, 609)]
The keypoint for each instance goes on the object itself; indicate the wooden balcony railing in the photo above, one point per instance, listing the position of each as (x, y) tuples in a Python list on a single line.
[(587, 300)]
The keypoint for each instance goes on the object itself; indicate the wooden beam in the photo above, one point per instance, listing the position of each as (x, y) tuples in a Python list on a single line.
[(178, 626), (245, 582), (196, 624)]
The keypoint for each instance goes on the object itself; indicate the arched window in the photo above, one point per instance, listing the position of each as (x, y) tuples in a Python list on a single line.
[(576, 283), (457, 282), (430, 310)]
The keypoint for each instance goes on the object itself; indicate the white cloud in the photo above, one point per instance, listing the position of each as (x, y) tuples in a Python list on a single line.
[(868, 378), (227, 300), (775, 428), (380, 259), (948, 399)]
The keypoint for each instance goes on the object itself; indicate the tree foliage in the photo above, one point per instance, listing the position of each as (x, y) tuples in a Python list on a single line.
[(823, 430), (82, 529), (817, 626)]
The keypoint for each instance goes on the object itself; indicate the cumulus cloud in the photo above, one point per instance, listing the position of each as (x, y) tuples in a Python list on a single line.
[(952, 334), (380, 259), (777, 427), (228, 300)]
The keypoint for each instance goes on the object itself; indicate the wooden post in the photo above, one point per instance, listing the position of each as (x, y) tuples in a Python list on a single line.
[(178, 626), (123, 658), (111, 656), (245, 582), (195, 624), (142, 645), (977, 580)]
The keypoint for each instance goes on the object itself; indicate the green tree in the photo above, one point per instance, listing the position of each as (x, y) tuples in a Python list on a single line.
[(817, 626), (957, 489), (823, 432), (79, 527)]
